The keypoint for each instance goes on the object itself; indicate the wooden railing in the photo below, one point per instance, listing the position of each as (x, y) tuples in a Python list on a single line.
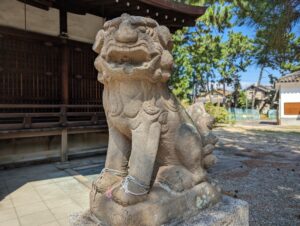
[(35, 120), (36, 116)]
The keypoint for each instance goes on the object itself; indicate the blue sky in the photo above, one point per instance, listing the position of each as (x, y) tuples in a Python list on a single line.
[(251, 75)]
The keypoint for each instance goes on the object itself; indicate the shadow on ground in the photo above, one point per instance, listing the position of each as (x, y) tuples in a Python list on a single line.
[(263, 168), (47, 193)]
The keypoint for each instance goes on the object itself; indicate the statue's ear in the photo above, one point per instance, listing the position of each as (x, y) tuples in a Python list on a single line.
[(165, 37), (98, 44)]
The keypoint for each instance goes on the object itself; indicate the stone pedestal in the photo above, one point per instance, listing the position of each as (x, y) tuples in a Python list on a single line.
[(229, 212)]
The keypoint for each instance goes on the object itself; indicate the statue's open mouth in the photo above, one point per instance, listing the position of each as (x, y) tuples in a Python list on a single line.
[(119, 56)]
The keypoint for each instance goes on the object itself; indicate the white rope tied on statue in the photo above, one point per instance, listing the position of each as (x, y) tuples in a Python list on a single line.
[(111, 171), (131, 179)]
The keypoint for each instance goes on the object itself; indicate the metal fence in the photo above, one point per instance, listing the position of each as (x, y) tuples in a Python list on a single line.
[(238, 114), (272, 114)]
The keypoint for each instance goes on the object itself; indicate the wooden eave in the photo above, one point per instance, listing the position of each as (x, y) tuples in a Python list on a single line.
[(167, 12)]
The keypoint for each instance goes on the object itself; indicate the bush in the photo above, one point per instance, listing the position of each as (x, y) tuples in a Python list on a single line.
[(185, 103), (264, 116), (220, 114)]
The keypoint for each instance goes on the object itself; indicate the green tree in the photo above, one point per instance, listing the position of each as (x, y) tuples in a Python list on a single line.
[(242, 100), (274, 19), (275, 46), (266, 56), (209, 52), (236, 56)]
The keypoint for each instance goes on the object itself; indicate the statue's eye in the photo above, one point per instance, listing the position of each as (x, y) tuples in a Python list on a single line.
[(150, 32), (142, 29)]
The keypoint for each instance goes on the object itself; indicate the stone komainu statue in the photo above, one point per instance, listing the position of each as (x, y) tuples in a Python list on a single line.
[(153, 143)]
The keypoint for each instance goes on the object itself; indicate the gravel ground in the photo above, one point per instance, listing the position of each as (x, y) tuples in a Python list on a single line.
[(262, 168)]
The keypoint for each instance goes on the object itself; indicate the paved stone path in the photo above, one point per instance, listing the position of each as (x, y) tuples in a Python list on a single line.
[(39, 195)]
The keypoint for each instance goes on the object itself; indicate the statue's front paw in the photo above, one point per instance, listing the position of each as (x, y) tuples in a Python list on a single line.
[(124, 198), (106, 181)]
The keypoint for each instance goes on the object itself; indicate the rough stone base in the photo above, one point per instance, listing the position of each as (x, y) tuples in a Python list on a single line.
[(229, 212), (160, 206), (84, 219)]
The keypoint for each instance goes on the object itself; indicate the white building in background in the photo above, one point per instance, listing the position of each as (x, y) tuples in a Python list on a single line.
[(289, 99)]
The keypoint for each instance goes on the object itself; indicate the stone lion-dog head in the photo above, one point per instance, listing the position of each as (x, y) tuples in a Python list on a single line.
[(133, 47)]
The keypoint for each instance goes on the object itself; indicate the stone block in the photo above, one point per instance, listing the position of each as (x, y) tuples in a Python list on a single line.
[(229, 212)]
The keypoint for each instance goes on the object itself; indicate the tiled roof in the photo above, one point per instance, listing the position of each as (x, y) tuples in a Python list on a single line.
[(260, 87), (293, 77), (215, 91)]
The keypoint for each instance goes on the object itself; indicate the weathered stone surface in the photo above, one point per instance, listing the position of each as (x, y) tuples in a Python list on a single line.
[(156, 156), (161, 206), (204, 123), (202, 119), (84, 219), (229, 212)]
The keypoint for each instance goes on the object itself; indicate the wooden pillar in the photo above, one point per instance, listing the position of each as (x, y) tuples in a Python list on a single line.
[(63, 27), (65, 74), (64, 145), (63, 20)]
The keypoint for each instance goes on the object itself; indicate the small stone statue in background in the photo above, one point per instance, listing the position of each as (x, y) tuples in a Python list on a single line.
[(156, 159), (204, 123)]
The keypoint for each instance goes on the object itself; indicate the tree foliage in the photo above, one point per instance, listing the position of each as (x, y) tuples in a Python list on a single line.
[(220, 114), (274, 19), (208, 53), (213, 52), (242, 100)]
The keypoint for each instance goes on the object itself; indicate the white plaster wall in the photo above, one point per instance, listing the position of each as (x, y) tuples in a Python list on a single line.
[(12, 14), (289, 92), (80, 27), (42, 21), (84, 27)]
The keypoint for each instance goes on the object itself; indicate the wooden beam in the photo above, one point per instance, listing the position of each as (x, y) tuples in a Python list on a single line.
[(170, 5), (42, 4), (109, 9), (50, 132), (17, 106)]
